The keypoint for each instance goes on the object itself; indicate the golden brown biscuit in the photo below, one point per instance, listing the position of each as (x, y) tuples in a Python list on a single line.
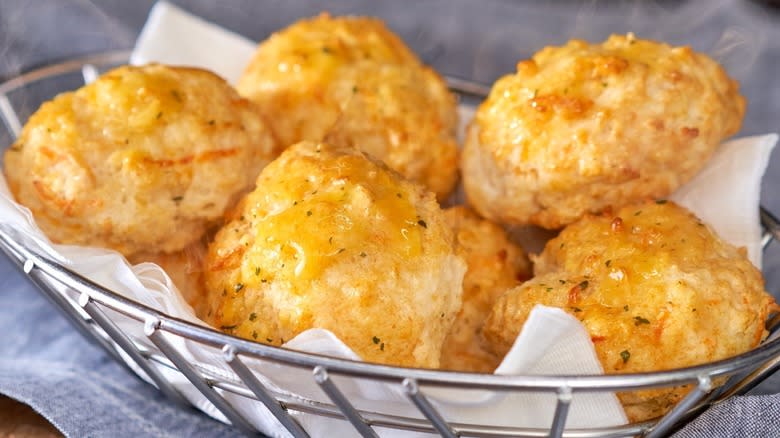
[(494, 265), (583, 127), (354, 79), (656, 289), (142, 159), (331, 239)]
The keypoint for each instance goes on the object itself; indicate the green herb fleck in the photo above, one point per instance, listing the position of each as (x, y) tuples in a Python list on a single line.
[(398, 195), (382, 346), (562, 245), (212, 122), (422, 223), (252, 316), (562, 281), (326, 49), (638, 212), (265, 280), (308, 212), (341, 250), (625, 307), (583, 285), (176, 95), (177, 198), (375, 340), (330, 240), (660, 201), (238, 286), (608, 262), (639, 320), (354, 89), (254, 334), (549, 289), (576, 309), (228, 327), (625, 355), (257, 270), (269, 340), (159, 114), (604, 84), (362, 254)]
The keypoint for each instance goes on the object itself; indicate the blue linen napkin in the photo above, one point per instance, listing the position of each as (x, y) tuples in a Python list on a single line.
[(80, 389), (46, 363)]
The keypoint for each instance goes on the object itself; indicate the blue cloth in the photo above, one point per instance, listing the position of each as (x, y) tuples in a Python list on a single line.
[(45, 363), (81, 390)]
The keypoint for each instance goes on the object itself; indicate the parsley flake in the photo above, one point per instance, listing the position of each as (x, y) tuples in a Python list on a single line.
[(639, 320)]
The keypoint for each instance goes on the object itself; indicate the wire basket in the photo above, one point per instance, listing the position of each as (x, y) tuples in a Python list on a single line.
[(103, 317)]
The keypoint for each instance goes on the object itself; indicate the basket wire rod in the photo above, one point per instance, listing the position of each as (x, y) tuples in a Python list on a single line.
[(753, 379), (128, 347), (415, 424), (10, 117), (412, 390), (561, 412), (329, 388), (58, 301), (467, 87), (66, 306), (771, 227), (249, 379), (89, 72), (672, 417), (151, 330)]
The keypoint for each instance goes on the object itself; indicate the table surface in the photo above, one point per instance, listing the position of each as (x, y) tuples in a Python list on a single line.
[(475, 39)]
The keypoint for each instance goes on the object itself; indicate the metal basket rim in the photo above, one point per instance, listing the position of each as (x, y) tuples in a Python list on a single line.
[(210, 336)]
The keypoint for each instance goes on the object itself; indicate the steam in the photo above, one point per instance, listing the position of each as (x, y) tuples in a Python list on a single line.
[(35, 33)]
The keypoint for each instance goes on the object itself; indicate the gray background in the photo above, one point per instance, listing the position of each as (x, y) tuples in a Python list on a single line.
[(474, 39)]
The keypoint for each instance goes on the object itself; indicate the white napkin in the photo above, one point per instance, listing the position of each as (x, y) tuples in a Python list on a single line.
[(552, 342)]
